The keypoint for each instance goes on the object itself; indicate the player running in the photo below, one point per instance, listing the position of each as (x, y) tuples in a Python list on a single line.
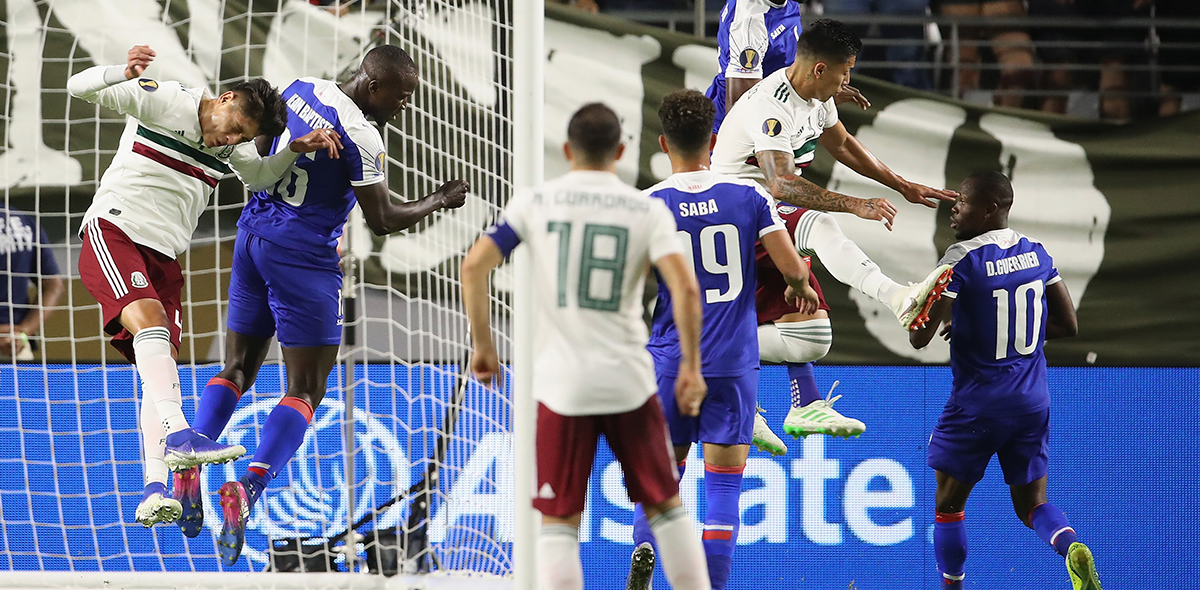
[(720, 220), (177, 143), (286, 280), (592, 240), (1005, 300), (770, 136)]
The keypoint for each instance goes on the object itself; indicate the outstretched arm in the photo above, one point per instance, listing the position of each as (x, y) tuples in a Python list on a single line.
[(848, 150), (259, 171), (484, 256), (102, 85), (386, 217), (779, 168), (938, 313)]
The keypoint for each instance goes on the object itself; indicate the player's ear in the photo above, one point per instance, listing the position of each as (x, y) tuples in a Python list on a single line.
[(819, 68), (620, 152), (228, 96), (662, 143), (567, 152)]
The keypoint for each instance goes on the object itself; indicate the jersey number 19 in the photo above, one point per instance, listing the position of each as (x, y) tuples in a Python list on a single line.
[(731, 268)]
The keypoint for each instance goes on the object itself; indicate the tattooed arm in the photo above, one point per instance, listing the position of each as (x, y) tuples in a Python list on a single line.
[(779, 168)]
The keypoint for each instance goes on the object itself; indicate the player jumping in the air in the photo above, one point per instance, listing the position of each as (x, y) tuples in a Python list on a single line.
[(177, 143), (1005, 300), (286, 280), (592, 240), (771, 135), (720, 219)]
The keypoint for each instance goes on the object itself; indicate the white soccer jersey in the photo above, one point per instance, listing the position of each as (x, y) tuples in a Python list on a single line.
[(592, 239), (770, 116), (162, 175)]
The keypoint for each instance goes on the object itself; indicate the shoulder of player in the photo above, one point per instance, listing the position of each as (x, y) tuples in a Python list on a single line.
[(772, 90)]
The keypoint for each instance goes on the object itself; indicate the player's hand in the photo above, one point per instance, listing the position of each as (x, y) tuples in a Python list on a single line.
[(318, 139), (485, 364), (805, 301), (137, 59), (925, 195), (690, 391), (877, 210), (849, 93), (946, 331), (453, 194)]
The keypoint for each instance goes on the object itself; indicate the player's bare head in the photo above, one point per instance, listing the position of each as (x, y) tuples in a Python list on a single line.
[(247, 110), (984, 199), (826, 51), (594, 136), (687, 121), (390, 79)]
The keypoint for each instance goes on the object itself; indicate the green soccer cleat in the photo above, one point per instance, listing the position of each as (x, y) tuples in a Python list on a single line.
[(764, 439), (641, 568), (819, 417), (1082, 568), (911, 304)]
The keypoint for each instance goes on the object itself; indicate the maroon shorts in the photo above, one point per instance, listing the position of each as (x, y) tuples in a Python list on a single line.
[(118, 272), (566, 448)]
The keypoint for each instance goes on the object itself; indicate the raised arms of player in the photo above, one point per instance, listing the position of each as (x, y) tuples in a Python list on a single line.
[(779, 169), (676, 272), (385, 217), (794, 270), (103, 85), (848, 150), (259, 171)]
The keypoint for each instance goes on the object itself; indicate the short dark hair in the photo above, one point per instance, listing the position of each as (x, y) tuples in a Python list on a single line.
[(388, 62), (594, 133), (992, 186), (828, 40), (687, 120), (261, 103)]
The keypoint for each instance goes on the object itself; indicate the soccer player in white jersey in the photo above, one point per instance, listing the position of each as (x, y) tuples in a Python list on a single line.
[(177, 143), (592, 240), (771, 135)]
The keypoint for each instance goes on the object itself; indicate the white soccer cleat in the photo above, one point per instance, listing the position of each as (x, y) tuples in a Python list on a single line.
[(764, 438), (157, 506), (911, 304), (819, 417)]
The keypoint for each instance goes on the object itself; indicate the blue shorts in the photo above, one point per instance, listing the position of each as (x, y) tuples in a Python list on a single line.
[(962, 444), (295, 292), (726, 417)]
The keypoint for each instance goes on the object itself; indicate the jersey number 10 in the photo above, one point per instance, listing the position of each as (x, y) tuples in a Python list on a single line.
[(1026, 336)]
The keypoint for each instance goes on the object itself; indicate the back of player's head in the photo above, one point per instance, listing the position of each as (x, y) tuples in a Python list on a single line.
[(594, 134), (687, 120), (989, 186), (828, 40), (388, 62), (260, 102)]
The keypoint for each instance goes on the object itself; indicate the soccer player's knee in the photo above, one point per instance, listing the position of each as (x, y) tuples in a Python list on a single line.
[(814, 229), (803, 350)]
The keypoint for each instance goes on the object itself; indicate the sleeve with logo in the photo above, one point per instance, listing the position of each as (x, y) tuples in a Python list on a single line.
[(748, 39), (144, 99), (663, 237), (508, 231), (772, 128), (363, 153)]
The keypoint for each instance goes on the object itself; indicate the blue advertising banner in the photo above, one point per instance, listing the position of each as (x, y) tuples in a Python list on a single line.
[(832, 513)]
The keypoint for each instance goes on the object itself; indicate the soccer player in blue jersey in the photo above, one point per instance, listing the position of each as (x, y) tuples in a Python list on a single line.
[(285, 279), (1004, 301), (720, 220)]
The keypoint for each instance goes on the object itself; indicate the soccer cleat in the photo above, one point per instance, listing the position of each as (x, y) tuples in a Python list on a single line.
[(235, 507), (641, 568), (764, 438), (188, 448), (1082, 567), (911, 304), (819, 417), (187, 491), (156, 506)]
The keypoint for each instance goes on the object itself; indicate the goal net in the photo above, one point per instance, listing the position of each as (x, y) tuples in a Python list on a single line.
[(406, 466)]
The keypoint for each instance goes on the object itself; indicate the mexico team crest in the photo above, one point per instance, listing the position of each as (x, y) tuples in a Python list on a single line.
[(772, 127), (138, 280), (147, 84)]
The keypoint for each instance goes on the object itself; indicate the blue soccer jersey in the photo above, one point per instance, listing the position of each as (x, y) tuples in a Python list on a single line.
[(998, 325), (25, 255), (754, 39), (307, 208), (720, 219)]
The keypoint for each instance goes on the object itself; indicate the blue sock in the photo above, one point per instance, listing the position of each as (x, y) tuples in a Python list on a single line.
[(950, 547), (804, 386), (1052, 526), (722, 519), (282, 434), (217, 403)]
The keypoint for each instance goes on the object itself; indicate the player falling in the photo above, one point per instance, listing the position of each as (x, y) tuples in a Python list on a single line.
[(177, 143), (286, 280), (592, 240), (1005, 300), (720, 219), (770, 135)]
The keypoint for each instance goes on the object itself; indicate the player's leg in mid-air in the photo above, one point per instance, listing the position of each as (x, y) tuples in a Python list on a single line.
[(725, 427), (139, 291)]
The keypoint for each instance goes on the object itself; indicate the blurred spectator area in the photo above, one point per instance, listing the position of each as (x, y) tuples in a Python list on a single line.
[(1115, 59)]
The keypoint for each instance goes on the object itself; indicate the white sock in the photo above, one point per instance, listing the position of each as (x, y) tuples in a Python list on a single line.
[(795, 342), (559, 567), (818, 233), (679, 548), (160, 376), (154, 445)]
